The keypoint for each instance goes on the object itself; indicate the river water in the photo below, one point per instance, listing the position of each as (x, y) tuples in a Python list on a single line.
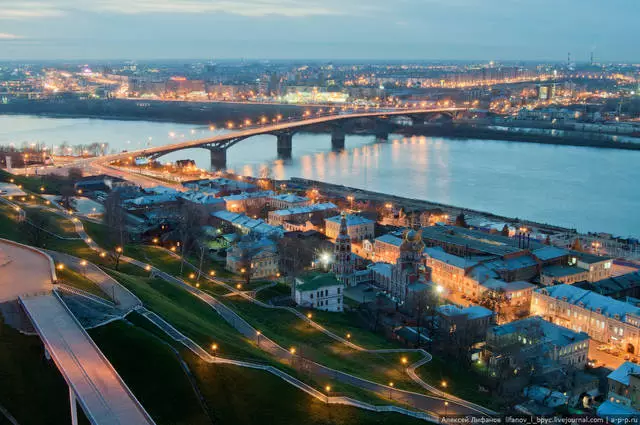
[(586, 188)]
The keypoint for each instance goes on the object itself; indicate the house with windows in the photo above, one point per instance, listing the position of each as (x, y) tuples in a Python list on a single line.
[(623, 385), (358, 228), (604, 319), (320, 291)]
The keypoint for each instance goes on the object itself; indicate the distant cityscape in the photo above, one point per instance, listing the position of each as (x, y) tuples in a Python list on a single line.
[(148, 290)]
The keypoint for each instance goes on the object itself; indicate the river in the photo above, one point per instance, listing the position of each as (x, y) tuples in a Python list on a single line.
[(585, 188)]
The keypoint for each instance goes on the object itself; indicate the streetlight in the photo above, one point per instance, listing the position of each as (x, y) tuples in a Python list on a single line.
[(60, 266), (446, 404), (212, 273), (444, 384), (214, 348), (390, 388), (328, 390), (83, 263), (292, 351), (258, 333), (348, 336)]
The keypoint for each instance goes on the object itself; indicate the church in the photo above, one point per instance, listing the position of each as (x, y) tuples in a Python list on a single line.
[(396, 280)]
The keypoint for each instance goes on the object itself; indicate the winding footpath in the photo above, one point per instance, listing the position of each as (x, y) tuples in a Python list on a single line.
[(436, 405)]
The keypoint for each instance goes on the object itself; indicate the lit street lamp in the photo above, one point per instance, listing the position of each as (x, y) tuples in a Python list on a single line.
[(328, 390), (390, 388)]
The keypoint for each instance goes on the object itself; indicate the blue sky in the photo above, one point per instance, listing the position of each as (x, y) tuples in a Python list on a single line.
[(332, 29)]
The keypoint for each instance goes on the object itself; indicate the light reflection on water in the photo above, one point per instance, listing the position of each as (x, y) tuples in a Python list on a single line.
[(591, 189)]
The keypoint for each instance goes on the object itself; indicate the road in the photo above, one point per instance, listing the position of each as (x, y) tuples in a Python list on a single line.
[(104, 396)]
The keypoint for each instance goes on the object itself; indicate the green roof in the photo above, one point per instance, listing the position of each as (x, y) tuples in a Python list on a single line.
[(317, 280)]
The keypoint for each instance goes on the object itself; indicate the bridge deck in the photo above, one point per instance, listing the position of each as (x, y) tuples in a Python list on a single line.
[(103, 395)]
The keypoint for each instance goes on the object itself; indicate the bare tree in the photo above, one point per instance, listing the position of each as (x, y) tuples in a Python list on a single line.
[(75, 174), (189, 230), (67, 193), (34, 228), (497, 301), (115, 218), (423, 302)]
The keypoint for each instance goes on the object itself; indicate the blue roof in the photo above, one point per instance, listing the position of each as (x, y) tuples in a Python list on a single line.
[(352, 219), (550, 253), (390, 239), (556, 334), (438, 254), (590, 300)]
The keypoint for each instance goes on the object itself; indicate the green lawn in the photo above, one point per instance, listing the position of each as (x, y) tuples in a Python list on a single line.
[(151, 369), (245, 397), (78, 280), (347, 323), (31, 388), (193, 317), (276, 291), (461, 381), (290, 331)]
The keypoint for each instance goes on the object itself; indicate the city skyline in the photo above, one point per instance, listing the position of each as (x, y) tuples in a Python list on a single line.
[(251, 29)]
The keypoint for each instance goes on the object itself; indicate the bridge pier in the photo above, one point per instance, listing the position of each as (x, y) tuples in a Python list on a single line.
[(285, 145), (218, 158), (382, 135), (337, 139), (74, 406)]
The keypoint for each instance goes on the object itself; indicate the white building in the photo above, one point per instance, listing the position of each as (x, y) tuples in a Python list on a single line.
[(320, 291), (604, 319), (287, 200), (301, 214), (359, 228)]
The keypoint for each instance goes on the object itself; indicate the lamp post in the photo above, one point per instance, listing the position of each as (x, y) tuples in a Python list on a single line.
[(292, 351), (390, 388), (214, 348), (258, 333), (83, 263), (328, 390), (446, 404)]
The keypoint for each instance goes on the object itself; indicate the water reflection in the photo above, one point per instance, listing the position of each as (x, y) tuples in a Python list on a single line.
[(591, 189)]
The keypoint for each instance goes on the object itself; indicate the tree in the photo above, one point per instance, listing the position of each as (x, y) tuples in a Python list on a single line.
[(34, 227), (189, 230), (496, 301), (461, 221), (115, 218), (67, 194), (422, 302), (577, 246), (75, 174)]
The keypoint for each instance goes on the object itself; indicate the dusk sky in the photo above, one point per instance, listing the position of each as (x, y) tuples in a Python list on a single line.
[(324, 29)]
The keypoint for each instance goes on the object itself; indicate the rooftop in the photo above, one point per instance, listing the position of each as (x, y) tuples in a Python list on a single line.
[(622, 373), (352, 220), (551, 332), (496, 284), (472, 312), (290, 197), (316, 280), (549, 253), (306, 209), (561, 271), (438, 254), (389, 239), (614, 284), (588, 258), (248, 195), (474, 240), (590, 300)]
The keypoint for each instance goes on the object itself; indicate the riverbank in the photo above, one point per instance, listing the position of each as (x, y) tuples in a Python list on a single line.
[(566, 138), (410, 204)]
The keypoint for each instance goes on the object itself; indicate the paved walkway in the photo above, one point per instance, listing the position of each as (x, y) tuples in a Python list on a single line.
[(104, 396), (25, 271)]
